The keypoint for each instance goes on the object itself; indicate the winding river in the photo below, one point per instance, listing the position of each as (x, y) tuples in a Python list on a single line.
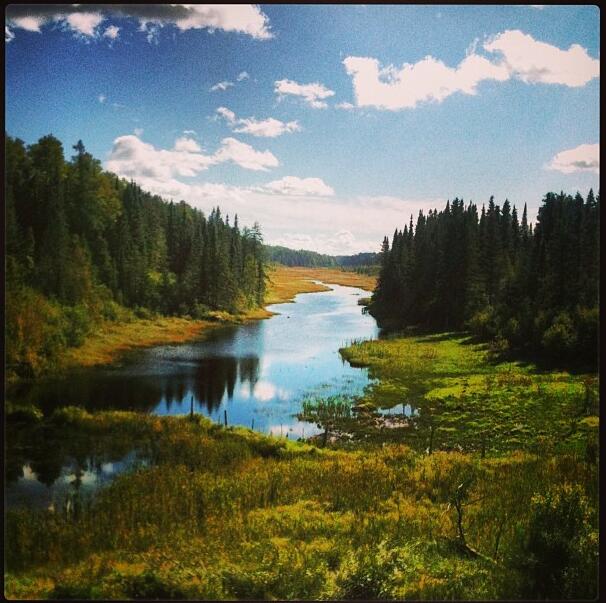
[(256, 375)]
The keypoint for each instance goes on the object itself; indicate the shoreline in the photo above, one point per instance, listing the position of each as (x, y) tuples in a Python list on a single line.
[(106, 345)]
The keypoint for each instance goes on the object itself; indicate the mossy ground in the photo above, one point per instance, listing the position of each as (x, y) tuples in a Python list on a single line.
[(471, 400)]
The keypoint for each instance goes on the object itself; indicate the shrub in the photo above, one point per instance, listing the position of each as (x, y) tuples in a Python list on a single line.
[(559, 551), (77, 324), (484, 323), (560, 339), (368, 574)]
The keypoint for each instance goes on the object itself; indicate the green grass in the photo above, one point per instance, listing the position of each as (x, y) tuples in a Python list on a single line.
[(473, 402), (226, 513)]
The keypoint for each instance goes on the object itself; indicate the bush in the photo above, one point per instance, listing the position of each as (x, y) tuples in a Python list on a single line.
[(368, 574), (588, 321), (148, 585), (144, 313), (77, 324), (484, 323), (559, 553), (560, 339), (201, 312)]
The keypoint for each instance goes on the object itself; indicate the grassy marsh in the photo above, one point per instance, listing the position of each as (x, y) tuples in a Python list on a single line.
[(227, 513)]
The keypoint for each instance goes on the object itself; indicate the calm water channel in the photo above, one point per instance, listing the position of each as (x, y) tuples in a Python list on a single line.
[(258, 373)]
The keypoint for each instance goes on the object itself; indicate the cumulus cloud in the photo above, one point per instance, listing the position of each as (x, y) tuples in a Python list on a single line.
[(517, 55), (111, 32), (307, 220), (29, 23), (102, 98), (245, 156), (267, 128), (8, 34), (427, 80), (138, 132), (85, 18), (187, 144), (221, 86), (292, 185), (584, 158), (133, 158), (345, 105), (538, 62), (243, 75), (84, 24), (313, 94)]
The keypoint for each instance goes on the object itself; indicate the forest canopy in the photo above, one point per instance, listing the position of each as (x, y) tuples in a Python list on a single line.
[(83, 244), (523, 288)]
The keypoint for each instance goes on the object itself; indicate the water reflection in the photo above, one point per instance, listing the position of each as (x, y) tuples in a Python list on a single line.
[(255, 374)]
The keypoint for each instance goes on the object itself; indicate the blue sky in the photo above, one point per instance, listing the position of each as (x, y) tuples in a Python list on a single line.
[(327, 124)]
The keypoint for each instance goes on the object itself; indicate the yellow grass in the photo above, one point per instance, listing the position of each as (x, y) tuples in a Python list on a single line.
[(111, 339), (286, 282), (114, 338)]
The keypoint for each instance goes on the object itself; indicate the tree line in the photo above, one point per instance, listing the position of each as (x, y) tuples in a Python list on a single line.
[(313, 259), (83, 244), (532, 289)]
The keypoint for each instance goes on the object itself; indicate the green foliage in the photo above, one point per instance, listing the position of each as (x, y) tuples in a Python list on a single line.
[(82, 245), (536, 289), (558, 556), (560, 339)]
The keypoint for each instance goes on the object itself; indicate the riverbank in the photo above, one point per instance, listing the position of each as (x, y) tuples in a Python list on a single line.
[(112, 339)]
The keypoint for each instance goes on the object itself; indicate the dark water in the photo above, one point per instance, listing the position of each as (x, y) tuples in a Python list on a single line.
[(258, 373)]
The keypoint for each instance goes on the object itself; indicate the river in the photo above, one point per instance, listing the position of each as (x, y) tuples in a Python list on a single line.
[(256, 374)]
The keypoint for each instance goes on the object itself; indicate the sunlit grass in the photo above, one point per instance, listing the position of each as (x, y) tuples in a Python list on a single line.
[(473, 402), (229, 513)]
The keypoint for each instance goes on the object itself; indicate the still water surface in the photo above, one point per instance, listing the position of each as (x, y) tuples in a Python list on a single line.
[(257, 374)]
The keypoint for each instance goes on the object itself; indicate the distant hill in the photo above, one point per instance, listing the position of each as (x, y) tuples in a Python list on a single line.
[(303, 257)]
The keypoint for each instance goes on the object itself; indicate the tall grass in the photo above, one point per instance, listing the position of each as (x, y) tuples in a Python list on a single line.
[(228, 513)]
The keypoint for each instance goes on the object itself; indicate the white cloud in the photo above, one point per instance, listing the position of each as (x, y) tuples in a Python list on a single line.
[(221, 86), (345, 105), (243, 75), (292, 185), (102, 98), (427, 80), (241, 18), (190, 132), (84, 24), (519, 56), (8, 34), (304, 221), (313, 94), (133, 158), (28, 23), (267, 128), (187, 144), (138, 132), (538, 62), (112, 32), (245, 156), (584, 158)]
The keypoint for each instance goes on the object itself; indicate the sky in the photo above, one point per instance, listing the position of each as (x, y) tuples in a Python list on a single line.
[(329, 125)]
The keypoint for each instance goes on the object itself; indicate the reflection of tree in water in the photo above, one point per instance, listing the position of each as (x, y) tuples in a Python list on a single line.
[(209, 380), (249, 370), (216, 376)]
